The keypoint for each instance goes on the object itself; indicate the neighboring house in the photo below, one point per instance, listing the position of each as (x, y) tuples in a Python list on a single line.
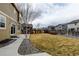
[(51, 30), (29, 28), (61, 28), (23, 28), (73, 27), (9, 20), (26, 28)]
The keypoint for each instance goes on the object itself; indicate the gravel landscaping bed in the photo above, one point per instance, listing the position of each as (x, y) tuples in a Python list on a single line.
[(27, 48)]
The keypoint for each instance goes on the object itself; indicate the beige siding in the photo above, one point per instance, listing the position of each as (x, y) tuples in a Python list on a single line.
[(5, 33), (8, 9)]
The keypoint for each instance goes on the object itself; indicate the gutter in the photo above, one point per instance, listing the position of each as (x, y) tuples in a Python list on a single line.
[(16, 10)]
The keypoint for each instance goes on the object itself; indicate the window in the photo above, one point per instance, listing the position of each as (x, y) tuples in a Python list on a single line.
[(72, 29), (75, 23), (2, 21)]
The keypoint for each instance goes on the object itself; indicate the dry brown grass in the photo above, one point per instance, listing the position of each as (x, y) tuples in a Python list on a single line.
[(55, 44)]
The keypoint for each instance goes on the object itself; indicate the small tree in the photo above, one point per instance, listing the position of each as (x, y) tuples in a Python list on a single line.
[(30, 14)]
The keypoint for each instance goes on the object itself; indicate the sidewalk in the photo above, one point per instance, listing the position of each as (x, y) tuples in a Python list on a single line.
[(11, 50)]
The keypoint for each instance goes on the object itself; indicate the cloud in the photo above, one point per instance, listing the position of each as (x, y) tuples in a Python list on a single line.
[(54, 14)]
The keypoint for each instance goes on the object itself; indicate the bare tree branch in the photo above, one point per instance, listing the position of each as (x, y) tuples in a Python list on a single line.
[(31, 14), (28, 13)]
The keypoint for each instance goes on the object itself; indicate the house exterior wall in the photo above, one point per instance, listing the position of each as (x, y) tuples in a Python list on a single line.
[(61, 29), (7, 10), (51, 28), (75, 26), (73, 29), (58, 27)]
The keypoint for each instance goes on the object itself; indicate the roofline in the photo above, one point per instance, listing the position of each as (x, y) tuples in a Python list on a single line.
[(16, 10), (15, 7)]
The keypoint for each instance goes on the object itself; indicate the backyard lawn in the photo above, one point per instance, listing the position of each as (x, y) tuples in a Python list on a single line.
[(56, 45)]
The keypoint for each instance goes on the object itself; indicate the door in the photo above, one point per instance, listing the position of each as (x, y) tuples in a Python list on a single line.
[(13, 29)]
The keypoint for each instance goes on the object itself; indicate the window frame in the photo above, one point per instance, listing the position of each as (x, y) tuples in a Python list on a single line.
[(4, 21)]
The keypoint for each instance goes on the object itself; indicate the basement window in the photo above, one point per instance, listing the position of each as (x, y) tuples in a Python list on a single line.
[(2, 22)]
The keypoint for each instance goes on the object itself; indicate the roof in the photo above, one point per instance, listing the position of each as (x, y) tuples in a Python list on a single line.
[(15, 7), (74, 21), (61, 24), (51, 26)]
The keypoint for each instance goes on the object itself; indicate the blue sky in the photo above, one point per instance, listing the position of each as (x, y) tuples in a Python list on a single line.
[(56, 13)]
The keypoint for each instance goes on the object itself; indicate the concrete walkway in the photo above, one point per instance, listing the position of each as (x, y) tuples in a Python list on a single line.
[(11, 50)]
